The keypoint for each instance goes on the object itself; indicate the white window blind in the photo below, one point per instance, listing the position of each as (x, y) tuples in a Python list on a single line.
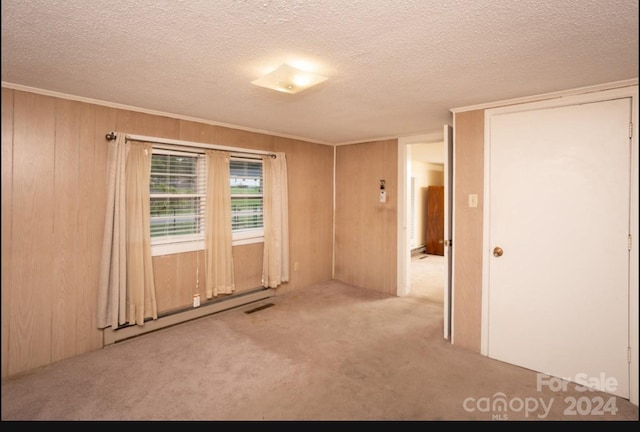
[(177, 196), (246, 195)]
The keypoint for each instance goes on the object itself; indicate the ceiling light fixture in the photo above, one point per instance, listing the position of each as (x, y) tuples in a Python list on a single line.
[(288, 79)]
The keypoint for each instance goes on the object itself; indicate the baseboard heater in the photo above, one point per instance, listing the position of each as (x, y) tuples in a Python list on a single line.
[(111, 336)]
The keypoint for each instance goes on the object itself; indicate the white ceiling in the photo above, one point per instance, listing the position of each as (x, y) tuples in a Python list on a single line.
[(395, 68)]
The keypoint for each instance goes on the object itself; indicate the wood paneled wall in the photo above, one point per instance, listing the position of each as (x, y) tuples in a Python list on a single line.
[(366, 229), (7, 184), (53, 199), (54, 155), (310, 171), (468, 229)]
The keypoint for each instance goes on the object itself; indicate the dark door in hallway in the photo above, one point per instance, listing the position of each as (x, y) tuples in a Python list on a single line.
[(435, 220)]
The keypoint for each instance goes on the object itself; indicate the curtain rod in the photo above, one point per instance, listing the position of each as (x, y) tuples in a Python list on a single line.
[(112, 135)]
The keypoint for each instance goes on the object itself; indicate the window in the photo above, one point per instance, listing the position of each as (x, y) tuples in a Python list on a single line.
[(246, 197), (178, 196)]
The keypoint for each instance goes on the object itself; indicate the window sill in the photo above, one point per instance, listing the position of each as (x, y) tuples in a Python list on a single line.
[(193, 246)]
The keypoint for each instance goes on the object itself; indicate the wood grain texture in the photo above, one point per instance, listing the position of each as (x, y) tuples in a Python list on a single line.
[(54, 157), (247, 267), (310, 175), (420, 178), (468, 229), (67, 262), (434, 220), (179, 276), (168, 294), (238, 138), (197, 132), (189, 277), (7, 212), (93, 189), (33, 246), (366, 229)]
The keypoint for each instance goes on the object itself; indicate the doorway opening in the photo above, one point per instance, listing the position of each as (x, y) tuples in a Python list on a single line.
[(423, 264), (426, 219)]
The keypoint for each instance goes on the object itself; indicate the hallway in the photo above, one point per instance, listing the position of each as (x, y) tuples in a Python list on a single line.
[(427, 276)]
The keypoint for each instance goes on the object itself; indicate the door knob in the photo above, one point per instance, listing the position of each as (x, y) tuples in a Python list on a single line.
[(497, 251)]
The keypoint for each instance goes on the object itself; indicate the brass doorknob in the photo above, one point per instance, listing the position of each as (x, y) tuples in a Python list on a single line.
[(497, 251)]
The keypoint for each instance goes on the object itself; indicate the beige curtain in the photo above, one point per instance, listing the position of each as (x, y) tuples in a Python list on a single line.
[(275, 267), (141, 294), (218, 246), (126, 296), (113, 267)]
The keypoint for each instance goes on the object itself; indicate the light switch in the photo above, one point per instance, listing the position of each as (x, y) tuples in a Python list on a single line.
[(473, 200)]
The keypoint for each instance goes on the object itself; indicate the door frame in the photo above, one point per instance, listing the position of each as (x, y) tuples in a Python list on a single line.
[(403, 233), (580, 96)]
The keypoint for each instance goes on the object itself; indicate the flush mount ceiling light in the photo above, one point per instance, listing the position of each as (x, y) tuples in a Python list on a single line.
[(288, 79)]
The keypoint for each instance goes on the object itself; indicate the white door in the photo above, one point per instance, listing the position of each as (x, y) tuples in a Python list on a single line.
[(558, 258), (448, 226)]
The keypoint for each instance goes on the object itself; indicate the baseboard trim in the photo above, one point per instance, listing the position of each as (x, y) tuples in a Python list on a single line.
[(418, 250), (111, 336)]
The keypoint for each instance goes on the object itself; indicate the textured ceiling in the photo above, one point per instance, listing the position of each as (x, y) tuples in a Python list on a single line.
[(395, 68)]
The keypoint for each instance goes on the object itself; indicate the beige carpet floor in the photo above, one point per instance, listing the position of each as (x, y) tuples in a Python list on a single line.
[(327, 352), (428, 276)]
